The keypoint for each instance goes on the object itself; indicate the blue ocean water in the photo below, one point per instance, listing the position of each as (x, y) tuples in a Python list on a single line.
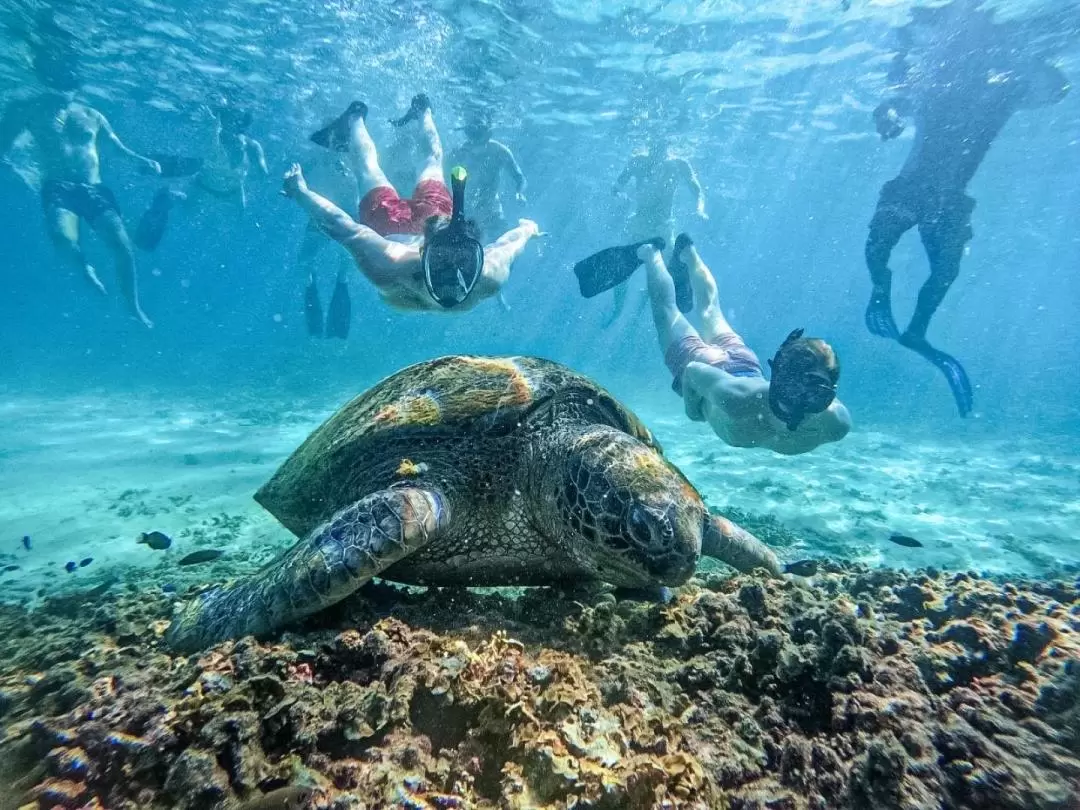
[(770, 102)]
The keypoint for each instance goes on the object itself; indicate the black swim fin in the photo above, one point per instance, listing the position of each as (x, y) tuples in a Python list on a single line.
[(948, 365), (680, 274), (610, 267), (339, 315), (337, 133), (313, 310), (879, 318), (177, 165)]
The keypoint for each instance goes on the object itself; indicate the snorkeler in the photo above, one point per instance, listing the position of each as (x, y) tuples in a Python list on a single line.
[(421, 253), (486, 161), (66, 133), (221, 173), (969, 77), (657, 175), (334, 181), (720, 378)]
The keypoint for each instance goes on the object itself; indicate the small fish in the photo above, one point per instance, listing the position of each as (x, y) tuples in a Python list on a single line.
[(904, 540), (26, 542), (158, 541), (70, 567), (206, 555), (802, 568), (294, 797), (85, 561), (7, 569)]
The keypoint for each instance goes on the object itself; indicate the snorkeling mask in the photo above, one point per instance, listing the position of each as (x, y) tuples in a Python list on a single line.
[(802, 389), (453, 261)]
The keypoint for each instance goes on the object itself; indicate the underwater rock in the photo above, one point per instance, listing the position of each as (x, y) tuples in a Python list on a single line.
[(195, 780), (883, 689)]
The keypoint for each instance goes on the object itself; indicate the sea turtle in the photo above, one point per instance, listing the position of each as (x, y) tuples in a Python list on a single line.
[(472, 471)]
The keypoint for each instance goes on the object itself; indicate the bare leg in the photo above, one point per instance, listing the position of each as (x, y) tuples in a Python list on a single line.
[(365, 159), (431, 151), (671, 326), (111, 229), (63, 229), (706, 297)]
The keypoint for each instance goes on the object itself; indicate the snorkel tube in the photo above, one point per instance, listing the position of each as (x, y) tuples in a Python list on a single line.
[(453, 261)]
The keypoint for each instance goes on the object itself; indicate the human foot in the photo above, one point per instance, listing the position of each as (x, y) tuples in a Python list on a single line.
[(420, 104)]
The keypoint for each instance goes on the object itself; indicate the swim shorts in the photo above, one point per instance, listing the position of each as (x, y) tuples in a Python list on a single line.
[(385, 212), (727, 353), (86, 200), (913, 203)]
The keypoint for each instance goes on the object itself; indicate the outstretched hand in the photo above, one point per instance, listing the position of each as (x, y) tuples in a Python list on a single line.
[(531, 227), (293, 183), (148, 166)]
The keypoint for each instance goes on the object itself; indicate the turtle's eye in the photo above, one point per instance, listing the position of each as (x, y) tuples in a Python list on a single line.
[(639, 525)]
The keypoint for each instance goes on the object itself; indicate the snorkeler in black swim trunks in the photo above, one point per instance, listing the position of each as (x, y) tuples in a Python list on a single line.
[(66, 135), (969, 77)]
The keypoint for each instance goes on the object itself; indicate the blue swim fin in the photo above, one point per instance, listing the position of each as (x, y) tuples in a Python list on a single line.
[(954, 373), (610, 267)]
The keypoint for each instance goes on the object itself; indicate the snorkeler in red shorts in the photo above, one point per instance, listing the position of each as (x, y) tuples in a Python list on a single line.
[(420, 252)]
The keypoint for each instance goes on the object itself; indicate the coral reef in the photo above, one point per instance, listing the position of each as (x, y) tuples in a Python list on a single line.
[(868, 689)]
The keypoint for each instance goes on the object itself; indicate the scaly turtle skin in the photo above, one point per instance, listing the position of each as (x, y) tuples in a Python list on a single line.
[(472, 471)]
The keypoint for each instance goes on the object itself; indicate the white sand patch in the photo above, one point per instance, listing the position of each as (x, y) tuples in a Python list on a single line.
[(84, 477)]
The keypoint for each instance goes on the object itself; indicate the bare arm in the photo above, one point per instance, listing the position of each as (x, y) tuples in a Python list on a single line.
[(690, 179), (510, 164), (831, 425), (499, 256), (379, 259), (256, 154), (701, 383), (111, 137)]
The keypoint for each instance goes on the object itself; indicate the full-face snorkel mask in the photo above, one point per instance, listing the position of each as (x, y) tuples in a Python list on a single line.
[(453, 261)]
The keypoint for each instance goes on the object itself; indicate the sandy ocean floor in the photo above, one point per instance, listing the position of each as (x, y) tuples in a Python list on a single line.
[(83, 477)]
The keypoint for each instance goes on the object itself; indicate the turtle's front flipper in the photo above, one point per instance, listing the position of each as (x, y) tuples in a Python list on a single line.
[(334, 560), (734, 545)]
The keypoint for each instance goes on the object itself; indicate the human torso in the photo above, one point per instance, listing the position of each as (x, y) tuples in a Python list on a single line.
[(656, 181), (225, 167), (484, 162), (65, 134), (740, 415), (961, 105)]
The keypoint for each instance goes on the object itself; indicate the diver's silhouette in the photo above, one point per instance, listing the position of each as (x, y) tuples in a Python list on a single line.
[(960, 77)]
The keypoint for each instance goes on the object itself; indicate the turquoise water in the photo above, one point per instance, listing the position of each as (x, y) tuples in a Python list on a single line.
[(108, 430), (771, 105)]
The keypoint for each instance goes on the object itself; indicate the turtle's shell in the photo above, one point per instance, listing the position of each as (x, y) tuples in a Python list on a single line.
[(455, 416)]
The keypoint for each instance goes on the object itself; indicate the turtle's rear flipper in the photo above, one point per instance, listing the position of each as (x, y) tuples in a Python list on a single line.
[(356, 544), (725, 541)]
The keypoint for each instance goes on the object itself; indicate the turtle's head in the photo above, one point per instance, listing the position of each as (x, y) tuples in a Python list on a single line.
[(636, 519)]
